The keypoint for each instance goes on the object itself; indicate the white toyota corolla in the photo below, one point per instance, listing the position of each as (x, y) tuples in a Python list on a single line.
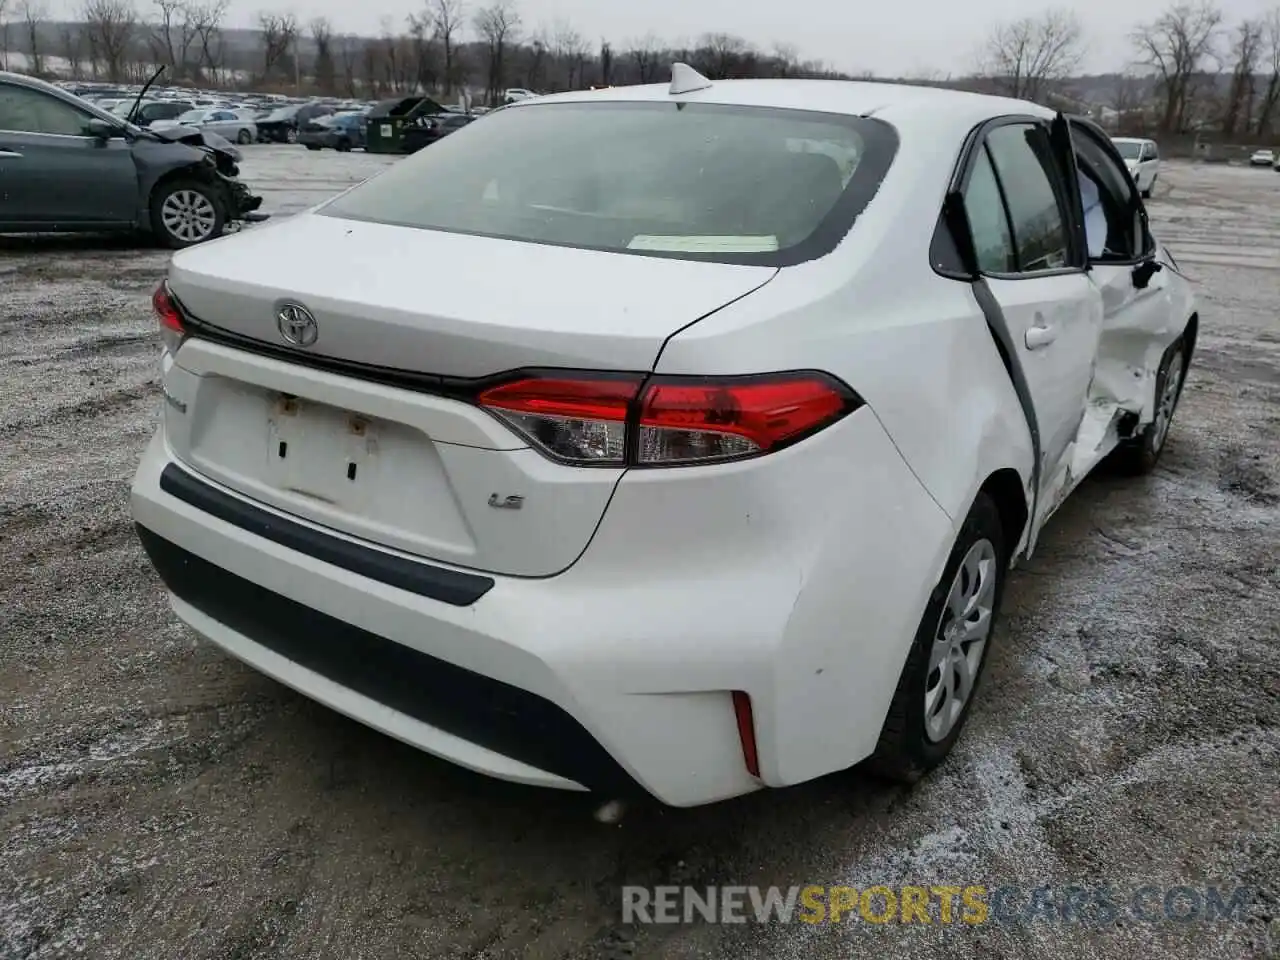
[(662, 439)]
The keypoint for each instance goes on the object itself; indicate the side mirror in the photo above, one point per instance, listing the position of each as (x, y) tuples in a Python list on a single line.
[(1144, 271), (101, 129)]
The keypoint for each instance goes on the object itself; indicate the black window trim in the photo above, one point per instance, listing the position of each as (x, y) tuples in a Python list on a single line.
[(880, 147), (1103, 142), (1056, 183)]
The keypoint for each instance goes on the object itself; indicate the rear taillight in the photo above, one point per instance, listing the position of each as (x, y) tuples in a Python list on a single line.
[(625, 419), (166, 311)]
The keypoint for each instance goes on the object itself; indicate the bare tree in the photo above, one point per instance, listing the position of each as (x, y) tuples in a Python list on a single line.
[(498, 24), (1246, 51), (109, 31), (570, 51), (606, 64), (785, 59), (349, 57), (1177, 44), (71, 46), (1270, 96), (371, 63), (421, 41), (718, 54), (174, 34), (1026, 58), (279, 31), (446, 18), (205, 17), (33, 13), (535, 61), (1126, 95), (322, 36), (644, 54)]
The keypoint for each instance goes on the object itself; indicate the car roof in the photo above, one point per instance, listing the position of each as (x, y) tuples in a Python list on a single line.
[(1131, 140), (903, 105)]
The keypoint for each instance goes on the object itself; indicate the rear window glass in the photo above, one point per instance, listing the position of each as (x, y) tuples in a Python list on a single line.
[(696, 181), (1128, 149)]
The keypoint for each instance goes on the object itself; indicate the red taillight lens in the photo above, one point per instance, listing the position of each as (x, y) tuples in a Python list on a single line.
[(578, 420), (166, 311), (667, 421), (681, 423)]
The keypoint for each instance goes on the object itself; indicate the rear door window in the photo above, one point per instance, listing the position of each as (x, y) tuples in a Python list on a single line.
[(1023, 159), (988, 219)]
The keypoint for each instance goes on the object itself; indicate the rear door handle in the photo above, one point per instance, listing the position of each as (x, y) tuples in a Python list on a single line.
[(1039, 337)]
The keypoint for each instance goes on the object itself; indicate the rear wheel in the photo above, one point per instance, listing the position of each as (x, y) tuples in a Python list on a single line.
[(949, 653), (185, 212), (343, 146), (1140, 454), (291, 135), (244, 137)]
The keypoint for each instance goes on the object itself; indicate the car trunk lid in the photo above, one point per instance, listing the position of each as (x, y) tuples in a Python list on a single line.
[(317, 433)]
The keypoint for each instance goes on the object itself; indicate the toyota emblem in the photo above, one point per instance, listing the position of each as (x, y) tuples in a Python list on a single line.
[(296, 325)]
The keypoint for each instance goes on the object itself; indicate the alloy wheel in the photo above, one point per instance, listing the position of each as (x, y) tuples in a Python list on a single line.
[(188, 215), (1168, 401), (960, 640)]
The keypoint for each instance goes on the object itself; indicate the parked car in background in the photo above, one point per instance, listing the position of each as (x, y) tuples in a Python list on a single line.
[(283, 124), (225, 123), (339, 131), (150, 111), (516, 94), (1142, 157), (68, 167), (1262, 158), (424, 131), (716, 485)]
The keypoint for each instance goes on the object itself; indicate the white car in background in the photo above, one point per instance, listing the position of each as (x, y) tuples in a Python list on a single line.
[(718, 488), (236, 126), (1262, 158), (1142, 157)]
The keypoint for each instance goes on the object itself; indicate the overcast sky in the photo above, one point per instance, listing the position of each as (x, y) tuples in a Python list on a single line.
[(890, 37)]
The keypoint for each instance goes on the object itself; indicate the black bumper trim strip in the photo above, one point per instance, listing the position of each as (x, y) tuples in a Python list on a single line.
[(506, 719), (435, 583)]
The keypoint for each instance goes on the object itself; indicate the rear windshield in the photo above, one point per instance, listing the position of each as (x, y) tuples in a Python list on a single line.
[(695, 181), (1129, 150)]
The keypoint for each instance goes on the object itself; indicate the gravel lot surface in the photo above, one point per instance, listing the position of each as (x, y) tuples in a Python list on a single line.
[(159, 800)]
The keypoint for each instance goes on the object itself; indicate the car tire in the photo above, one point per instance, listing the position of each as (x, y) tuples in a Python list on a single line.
[(313, 146), (291, 135), (343, 146), (915, 738), (186, 212), (1146, 194), (1140, 454), (244, 138)]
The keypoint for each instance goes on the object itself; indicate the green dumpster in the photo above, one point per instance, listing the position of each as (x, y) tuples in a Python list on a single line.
[(386, 120)]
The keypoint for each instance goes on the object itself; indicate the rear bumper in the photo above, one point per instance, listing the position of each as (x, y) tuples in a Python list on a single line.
[(488, 725), (795, 579)]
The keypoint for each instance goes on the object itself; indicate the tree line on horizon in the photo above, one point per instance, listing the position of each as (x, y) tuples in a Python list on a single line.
[(1191, 70)]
